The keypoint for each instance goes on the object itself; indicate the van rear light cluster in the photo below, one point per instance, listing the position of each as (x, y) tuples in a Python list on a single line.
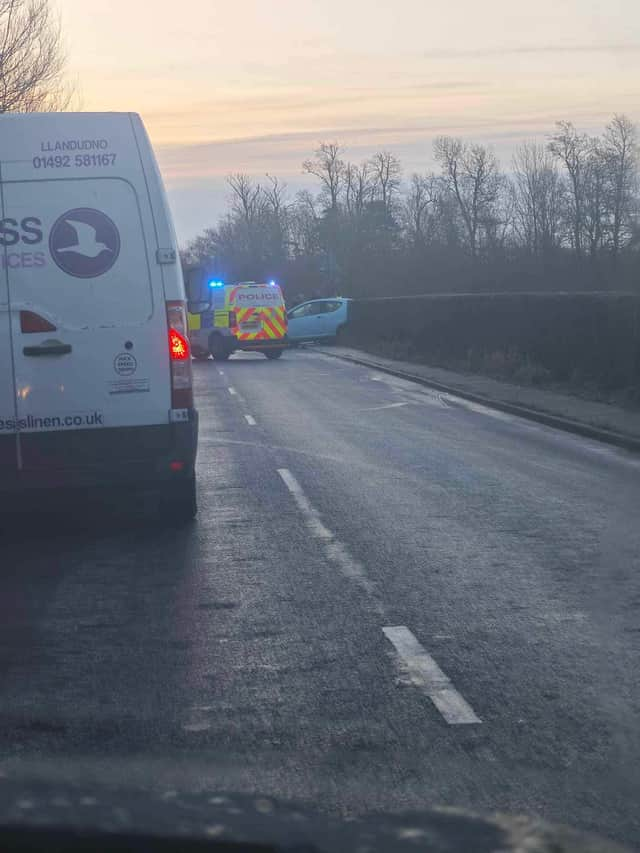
[(30, 323), (179, 356)]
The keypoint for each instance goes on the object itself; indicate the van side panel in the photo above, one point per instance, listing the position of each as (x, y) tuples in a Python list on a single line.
[(171, 272)]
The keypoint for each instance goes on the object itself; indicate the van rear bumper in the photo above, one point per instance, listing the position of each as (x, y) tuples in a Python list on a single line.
[(146, 458)]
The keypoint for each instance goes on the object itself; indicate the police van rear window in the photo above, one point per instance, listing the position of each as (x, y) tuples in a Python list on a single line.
[(268, 296)]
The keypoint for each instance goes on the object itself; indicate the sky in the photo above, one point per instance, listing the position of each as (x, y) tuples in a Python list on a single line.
[(247, 86)]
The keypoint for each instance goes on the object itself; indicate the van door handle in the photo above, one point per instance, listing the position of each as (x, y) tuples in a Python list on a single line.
[(48, 349)]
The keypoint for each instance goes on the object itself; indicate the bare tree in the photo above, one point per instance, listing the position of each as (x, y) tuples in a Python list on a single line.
[(275, 196), (538, 193), (595, 198), (359, 188), (304, 224), (329, 167), (573, 150), (620, 150), (471, 173), (32, 59), (246, 196), (387, 176), (419, 208)]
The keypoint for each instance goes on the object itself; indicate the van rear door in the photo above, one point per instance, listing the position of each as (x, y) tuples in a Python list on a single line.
[(88, 316)]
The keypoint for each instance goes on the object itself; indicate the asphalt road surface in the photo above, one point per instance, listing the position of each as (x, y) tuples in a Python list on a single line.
[(390, 598)]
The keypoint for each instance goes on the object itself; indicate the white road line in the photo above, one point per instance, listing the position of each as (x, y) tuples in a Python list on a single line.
[(311, 514), (387, 406), (334, 549), (221, 372), (251, 421), (233, 391), (424, 672)]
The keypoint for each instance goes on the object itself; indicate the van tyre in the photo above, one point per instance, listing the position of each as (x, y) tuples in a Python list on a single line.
[(179, 505), (273, 353)]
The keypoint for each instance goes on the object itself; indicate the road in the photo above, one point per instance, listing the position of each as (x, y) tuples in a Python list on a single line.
[(390, 597)]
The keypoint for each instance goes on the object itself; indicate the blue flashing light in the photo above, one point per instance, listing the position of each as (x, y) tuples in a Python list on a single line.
[(216, 284), (272, 283)]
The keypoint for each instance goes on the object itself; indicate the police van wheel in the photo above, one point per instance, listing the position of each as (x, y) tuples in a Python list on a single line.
[(179, 505), (273, 353), (218, 349)]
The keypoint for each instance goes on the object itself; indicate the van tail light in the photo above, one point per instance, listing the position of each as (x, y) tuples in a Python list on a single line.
[(179, 356), (31, 322)]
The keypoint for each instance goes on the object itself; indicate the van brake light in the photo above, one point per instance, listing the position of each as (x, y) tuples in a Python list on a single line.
[(178, 346), (179, 356)]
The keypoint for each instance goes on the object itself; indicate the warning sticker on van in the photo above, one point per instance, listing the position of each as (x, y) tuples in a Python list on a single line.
[(35, 423)]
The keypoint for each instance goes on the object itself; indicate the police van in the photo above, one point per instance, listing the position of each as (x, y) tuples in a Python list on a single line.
[(244, 316), (95, 366)]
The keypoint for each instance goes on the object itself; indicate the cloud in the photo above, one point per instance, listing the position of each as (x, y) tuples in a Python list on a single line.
[(532, 50)]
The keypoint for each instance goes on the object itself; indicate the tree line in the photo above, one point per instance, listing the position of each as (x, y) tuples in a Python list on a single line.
[(32, 59), (563, 216)]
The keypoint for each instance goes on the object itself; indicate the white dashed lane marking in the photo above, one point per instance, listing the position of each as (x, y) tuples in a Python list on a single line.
[(233, 391), (424, 672), (419, 666), (251, 421), (386, 406), (334, 549)]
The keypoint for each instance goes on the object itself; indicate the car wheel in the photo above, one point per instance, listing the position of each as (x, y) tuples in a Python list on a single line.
[(340, 338), (273, 353), (179, 505)]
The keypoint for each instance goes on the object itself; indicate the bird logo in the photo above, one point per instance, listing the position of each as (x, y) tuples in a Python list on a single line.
[(87, 243), (84, 242)]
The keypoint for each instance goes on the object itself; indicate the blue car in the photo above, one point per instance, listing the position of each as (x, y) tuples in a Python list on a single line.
[(320, 319)]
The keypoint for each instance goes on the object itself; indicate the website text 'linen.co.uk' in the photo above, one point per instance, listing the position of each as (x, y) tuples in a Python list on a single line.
[(35, 422)]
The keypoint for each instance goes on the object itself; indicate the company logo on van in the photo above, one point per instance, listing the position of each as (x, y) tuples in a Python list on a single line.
[(84, 242)]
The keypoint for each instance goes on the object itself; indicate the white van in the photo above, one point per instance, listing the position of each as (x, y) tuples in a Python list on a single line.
[(95, 366)]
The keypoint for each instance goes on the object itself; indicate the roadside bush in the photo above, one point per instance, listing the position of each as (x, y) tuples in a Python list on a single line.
[(531, 338)]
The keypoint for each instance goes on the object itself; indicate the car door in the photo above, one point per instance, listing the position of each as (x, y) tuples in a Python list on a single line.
[(88, 328), (298, 321), (333, 317), (308, 321)]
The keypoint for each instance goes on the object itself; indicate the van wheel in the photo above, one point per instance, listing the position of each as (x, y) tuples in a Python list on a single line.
[(179, 505), (273, 353)]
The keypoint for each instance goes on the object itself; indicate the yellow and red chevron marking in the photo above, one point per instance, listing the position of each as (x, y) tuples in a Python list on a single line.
[(273, 323), (244, 314)]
